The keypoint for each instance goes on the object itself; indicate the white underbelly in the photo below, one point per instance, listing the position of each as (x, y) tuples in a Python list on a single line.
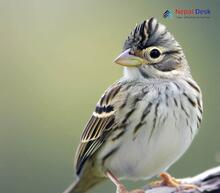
[(142, 156)]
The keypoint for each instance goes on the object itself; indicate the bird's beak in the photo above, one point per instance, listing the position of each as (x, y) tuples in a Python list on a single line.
[(129, 60)]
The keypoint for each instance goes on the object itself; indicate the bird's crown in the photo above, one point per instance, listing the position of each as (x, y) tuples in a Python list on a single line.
[(149, 33)]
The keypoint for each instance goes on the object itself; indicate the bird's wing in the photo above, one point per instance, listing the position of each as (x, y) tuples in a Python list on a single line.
[(98, 127)]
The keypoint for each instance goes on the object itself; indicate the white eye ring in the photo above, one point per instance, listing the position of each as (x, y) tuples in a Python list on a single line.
[(153, 54)]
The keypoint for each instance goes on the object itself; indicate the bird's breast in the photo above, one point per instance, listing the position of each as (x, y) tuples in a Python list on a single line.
[(158, 130)]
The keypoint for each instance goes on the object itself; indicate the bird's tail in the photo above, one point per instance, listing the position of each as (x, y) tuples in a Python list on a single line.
[(82, 185)]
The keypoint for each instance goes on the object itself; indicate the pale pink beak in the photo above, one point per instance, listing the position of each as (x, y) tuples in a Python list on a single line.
[(129, 60)]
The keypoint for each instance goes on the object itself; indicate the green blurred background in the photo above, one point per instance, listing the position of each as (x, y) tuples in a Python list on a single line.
[(55, 62)]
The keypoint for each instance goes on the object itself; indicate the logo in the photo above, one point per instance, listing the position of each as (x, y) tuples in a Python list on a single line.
[(193, 12), (187, 13), (168, 14)]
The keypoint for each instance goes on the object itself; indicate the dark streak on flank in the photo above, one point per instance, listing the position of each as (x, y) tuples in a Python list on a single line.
[(199, 119), (198, 102), (167, 97), (155, 115), (175, 101), (182, 107), (177, 86), (138, 126), (129, 113), (187, 121), (119, 135), (193, 103), (198, 124), (174, 115), (193, 86), (199, 105), (191, 129), (200, 110), (109, 154), (155, 119), (146, 111)]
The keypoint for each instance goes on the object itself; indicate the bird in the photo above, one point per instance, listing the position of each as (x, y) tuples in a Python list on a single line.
[(145, 121)]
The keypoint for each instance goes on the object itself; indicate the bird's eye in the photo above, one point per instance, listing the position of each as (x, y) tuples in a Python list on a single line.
[(155, 53)]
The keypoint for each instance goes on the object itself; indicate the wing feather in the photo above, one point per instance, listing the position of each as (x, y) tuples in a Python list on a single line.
[(98, 127)]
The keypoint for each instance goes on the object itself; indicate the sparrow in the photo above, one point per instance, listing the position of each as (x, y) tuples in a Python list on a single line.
[(145, 121)]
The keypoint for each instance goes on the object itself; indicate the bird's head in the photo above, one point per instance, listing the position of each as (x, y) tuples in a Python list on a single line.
[(151, 51)]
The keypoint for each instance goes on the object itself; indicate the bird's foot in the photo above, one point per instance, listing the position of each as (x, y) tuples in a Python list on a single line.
[(168, 180), (121, 189)]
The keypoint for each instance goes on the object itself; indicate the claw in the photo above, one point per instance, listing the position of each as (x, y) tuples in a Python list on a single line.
[(168, 180)]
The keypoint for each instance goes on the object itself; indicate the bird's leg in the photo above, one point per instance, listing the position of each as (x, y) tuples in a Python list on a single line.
[(168, 180), (120, 187)]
